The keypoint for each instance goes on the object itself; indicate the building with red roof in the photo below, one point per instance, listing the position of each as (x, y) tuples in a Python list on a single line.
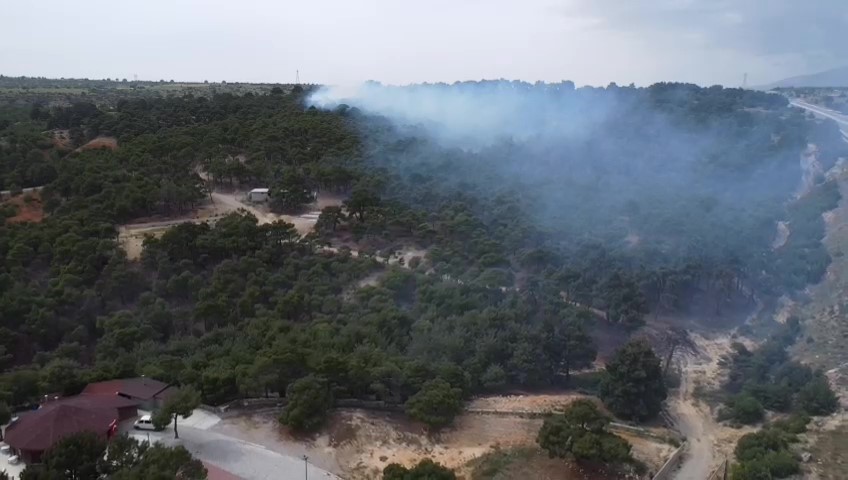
[(149, 394), (34, 432), (214, 472)]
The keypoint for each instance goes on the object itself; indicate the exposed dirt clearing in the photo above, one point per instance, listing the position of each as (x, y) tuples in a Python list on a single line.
[(823, 344), (824, 315), (100, 142), (781, 235), (708, 442), (29, 208), (358, 444), (405, 253), (531, 403), (61, 139), (828, 438), (533, 463), (131, 236), (304, 223)]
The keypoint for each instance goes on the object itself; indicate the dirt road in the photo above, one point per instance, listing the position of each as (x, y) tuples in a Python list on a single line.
[(132, 236), (708, 442), (695, 423)]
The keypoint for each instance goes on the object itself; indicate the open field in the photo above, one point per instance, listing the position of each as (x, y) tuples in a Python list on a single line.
[(358, 444)]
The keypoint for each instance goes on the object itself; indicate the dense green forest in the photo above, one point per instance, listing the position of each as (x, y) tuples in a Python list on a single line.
[(236, 308)]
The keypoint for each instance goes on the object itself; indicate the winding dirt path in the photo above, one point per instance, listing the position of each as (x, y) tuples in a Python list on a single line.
[(708, 442), (695, 422)]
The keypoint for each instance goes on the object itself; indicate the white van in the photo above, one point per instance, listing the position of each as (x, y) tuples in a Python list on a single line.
[(145, 422)]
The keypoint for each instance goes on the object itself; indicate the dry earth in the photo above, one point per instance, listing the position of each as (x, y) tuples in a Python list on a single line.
[(131, 236), (100, 142), (708, 442), (29, 208), (824, 340), (358, 444)]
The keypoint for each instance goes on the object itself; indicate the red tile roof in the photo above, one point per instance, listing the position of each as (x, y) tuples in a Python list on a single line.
[(39, 430), (94, 402), (142, 388), (217, 473)]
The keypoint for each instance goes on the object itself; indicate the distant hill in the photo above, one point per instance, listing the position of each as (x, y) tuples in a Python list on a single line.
[(837, 77)]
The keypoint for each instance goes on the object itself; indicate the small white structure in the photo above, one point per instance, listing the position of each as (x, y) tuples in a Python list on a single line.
[(258, 195)]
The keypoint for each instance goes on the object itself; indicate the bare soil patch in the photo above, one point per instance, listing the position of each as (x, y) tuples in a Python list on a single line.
[(708, 442), (131, 236), (358, 444), (533, 463), (29, 208), (110, 143), (826, 331), (529, 403), (62, 139), (827, 440), (823, 342)]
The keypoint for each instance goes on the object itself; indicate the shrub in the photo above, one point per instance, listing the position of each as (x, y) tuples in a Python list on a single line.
[(817, 398), (744, 409)]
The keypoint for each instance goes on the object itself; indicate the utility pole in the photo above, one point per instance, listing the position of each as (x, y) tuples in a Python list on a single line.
[(297, 77), (305, 467), (745, 80)]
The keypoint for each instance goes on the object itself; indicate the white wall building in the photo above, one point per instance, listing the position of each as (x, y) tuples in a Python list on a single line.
[(258, 195)]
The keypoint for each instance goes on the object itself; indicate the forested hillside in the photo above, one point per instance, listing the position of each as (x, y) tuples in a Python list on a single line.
[(501, 298)]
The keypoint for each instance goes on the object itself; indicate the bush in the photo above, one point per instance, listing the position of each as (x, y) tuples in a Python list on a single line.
[(633, 387), (425, 470), (744, 409), (794, 425), (750, 471), (581, 432), (436, 404), (817, 398), (309, 400), (765, 455)]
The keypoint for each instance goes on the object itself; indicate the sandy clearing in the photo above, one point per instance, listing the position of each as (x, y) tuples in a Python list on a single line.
[(131, 236), (358, 444), (531, 403), (708, 442)]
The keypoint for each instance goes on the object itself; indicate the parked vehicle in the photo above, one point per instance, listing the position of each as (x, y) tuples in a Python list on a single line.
[(145, 422)]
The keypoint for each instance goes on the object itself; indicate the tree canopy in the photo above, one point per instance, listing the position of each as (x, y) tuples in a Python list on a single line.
[(580, 432), (87, 456), (309, 400), (517, 267), (424, 470), (633, 386)]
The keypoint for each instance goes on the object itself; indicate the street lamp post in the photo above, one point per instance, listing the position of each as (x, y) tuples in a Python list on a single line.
[(305, 467)]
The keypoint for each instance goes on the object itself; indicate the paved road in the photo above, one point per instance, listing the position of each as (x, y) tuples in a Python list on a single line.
[(247, 460), (839, 118)]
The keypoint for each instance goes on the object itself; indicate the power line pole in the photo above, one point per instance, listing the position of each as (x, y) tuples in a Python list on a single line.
[(297, 77), (745, 80), (305, 467)]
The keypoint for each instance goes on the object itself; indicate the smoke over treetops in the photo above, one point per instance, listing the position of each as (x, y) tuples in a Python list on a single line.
[(676, 171)]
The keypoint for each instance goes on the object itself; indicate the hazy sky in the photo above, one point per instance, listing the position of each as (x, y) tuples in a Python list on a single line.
[(403, 41)]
